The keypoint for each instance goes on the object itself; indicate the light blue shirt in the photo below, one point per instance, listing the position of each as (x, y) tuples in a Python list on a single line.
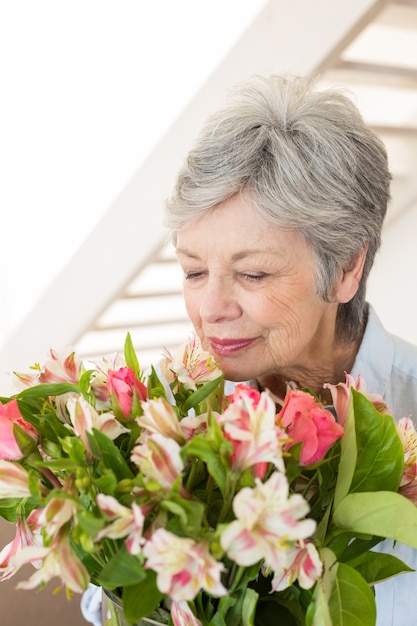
[(388, 365)]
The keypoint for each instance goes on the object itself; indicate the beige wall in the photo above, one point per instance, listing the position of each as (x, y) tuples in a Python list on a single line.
[(35, 608)]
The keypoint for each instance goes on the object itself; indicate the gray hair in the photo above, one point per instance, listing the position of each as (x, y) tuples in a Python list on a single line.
[(308, 162)]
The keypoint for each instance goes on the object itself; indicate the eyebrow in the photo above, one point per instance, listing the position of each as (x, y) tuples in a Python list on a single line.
[(238, 256)]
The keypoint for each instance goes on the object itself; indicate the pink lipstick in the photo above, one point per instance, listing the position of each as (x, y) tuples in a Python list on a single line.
[(224, 347)]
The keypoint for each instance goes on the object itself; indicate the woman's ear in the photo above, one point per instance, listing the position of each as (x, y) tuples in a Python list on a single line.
[(348, 284)]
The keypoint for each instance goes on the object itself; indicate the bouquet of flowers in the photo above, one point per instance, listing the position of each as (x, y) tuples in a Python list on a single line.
[(198, 507)]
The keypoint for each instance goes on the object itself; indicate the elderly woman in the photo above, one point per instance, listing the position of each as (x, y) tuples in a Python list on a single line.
[(277, 216)]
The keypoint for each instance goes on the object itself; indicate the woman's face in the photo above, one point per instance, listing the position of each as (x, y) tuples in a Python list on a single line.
[(250, 293)]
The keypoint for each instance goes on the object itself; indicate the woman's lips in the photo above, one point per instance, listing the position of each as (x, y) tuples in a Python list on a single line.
[(228, 346)]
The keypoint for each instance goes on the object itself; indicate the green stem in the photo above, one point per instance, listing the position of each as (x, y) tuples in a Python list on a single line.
[(191, 475), (310, 482), (231, 482), (236, 574)]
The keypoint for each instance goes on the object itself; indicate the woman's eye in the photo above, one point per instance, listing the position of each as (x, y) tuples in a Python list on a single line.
[(192, 275), (253, 277)]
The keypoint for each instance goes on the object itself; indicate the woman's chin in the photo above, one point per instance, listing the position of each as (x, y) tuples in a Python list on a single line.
[(235, 374)]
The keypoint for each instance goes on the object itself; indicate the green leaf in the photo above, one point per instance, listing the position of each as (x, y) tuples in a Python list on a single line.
[(352, 602), (384, 513), (155, 387), (75, 449), (224, 605), (248, 607), (106, 483), (348, 456), (189, 512), (26, 443), (46, 390), (46, 423), (130, 355), (372, 457), (201, 394), (359, 545), (89, 524), (203, 449), (9, 508), (342, 597), (109, 453), (122, 569), (380, 455), (377, 566), (318, 611), (141, 599)]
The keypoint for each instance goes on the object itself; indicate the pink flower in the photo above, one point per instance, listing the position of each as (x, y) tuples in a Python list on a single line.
[(59, 559), (27, 534), (125, 522), (183, 566), (57, 369), (191, 365), (159, 460), (14, 480), (193, 425), (159, 417), (182, 615), (308, 422), (268, 519), (304, 565), (408, 436), (10, 415), (341, 396), (84, 418), (59, 510), (249, 423), (124, 387)]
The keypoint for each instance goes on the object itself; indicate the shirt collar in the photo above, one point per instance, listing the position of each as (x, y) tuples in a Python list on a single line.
[(374, 359)]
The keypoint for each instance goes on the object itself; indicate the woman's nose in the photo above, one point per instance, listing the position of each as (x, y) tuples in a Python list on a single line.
[(218, 303)]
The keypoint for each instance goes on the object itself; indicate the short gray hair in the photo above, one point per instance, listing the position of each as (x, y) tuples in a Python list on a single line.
[(308, 162)]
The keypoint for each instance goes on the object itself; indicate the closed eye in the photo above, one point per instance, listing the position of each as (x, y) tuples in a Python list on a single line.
[(193, 275), (254, 277)]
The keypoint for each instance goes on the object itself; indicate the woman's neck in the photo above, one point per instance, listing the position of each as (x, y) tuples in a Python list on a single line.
[(325, 370)]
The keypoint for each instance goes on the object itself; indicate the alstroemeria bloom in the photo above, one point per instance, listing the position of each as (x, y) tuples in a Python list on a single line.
[(125, 522), (59, 368), (408, 436), (304, 565), (84, 418), (159, 417), (14, 480), (159, 460), (27, 534), (191, 365), (268, 520), (306, 421), (123, 386), (10, 415), (59, 510), (182, 615), (249, 423), (183, 566), (193, 425), (58, 559), (341, 396)]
